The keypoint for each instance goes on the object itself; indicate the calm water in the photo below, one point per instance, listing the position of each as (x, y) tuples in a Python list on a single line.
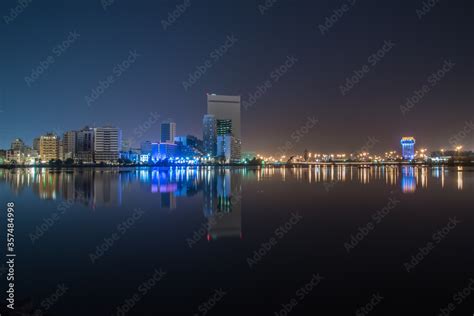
[(241, 241)]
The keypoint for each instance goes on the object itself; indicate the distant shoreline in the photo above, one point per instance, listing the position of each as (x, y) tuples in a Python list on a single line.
[(284, 165)]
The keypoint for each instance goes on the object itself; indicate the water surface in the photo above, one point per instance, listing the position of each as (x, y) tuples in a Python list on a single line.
[(242, 241)]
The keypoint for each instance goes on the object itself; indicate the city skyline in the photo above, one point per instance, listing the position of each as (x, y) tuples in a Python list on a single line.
[(359, 81), (265, 157), (168, 127), (461, 137)]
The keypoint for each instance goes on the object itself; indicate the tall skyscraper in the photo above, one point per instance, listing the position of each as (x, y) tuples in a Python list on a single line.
[(408, 148), (226, 110), (168, 132), (107, 143), (69, 144), (209, 134), (49, 147), (225, 107)]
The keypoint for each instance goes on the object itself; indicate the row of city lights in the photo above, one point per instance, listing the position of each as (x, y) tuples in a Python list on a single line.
[(366, 156)]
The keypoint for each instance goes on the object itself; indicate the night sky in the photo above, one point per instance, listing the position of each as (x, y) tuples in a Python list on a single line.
[(257, 44)]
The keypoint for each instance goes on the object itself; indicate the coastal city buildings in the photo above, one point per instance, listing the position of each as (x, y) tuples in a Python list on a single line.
[(145, 147), (228, 148), (17, 145), (167, 150), (226, 110), (107, 143), (168, 132), (225, 107), (210, 135), (36, 143), (69, 145), (49, 147), (85, 145), (408, 148), (220, 144)]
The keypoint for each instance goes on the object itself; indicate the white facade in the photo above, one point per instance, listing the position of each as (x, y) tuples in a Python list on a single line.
[(107, 143)]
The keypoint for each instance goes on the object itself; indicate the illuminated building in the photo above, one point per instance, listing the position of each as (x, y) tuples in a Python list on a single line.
[(224, 127), (188, 146), (131, 155), (210, 134), (228, 148), (225, 107), (408, 148), (189, 140), (167, 150), (19, 152), (145, 158), (107, 143), (155, 152), (226, 110), (168, 132), (49, 147), (145, 148)]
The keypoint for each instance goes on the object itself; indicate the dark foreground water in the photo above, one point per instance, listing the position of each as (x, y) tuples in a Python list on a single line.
[(319, 241)]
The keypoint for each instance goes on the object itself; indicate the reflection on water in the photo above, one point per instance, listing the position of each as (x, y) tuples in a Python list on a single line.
[(220, 187), (460, 183), (185, 206), (409, 177)]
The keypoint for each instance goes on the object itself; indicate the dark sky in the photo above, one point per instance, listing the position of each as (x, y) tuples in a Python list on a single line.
[(310, 88)]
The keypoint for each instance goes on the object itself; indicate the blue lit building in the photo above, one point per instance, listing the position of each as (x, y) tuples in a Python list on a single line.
[(145, 147), (155, 152), (130, 155), (168, 132), (168, 151), (188, 146), (210, 135), (408, 148)]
